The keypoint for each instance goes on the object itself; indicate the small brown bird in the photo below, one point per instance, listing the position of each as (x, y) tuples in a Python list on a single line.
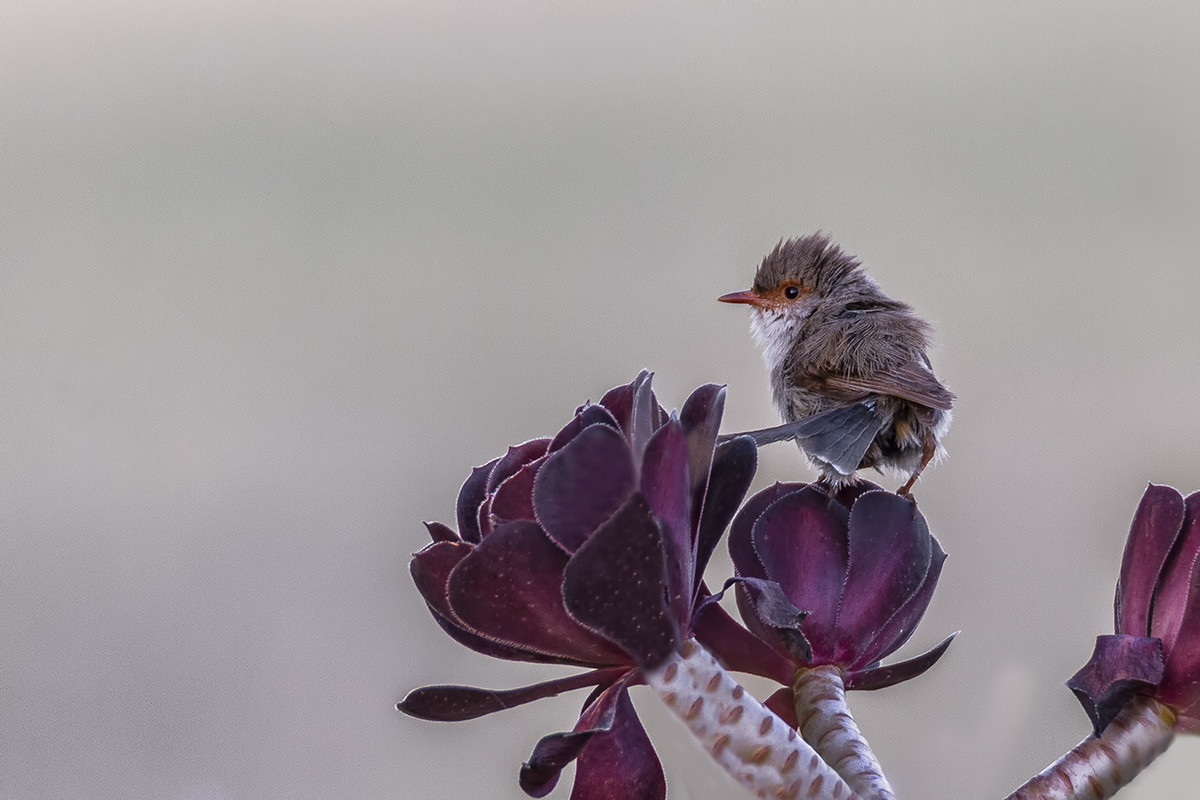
[(849, 373)]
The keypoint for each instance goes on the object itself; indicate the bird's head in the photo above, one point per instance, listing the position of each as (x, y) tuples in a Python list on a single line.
[(793, 280)]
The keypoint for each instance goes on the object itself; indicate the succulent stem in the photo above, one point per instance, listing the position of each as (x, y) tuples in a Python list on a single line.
[(757, 748), (826, 724), (1098, 766)]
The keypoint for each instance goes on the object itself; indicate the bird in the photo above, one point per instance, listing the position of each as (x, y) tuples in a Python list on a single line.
[(848, 367)]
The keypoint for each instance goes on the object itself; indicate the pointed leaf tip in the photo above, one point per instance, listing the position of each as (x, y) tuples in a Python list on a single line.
[(890, 675), (439, 532)]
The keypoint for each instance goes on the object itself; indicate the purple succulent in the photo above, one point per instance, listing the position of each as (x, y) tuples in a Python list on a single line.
[(1156, 649), (833, 584), (586, 549), (1142, 684), (839, 580)]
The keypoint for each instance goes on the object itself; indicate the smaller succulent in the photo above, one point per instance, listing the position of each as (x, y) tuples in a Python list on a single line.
[(1142, 684), (834, 584), (1155, 651)]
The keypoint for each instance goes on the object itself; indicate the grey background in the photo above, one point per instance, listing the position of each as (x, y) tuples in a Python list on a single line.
[(274, 276)]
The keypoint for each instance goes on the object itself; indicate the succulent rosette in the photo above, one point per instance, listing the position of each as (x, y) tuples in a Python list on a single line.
[(585, 549), (1155, 651), (1142, 684), (834, 584), (861, 565)]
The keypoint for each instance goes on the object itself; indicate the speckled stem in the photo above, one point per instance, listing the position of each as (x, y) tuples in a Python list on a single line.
[(745, 737), (1098, 767), (826, 724)]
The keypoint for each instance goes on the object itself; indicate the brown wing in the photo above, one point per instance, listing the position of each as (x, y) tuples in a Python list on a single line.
[(911, 381)]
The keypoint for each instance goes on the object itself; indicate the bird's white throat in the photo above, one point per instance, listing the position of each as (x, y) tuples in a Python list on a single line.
[(774, 332)]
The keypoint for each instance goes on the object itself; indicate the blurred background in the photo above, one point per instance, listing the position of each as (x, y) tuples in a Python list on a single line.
[(275, 276)]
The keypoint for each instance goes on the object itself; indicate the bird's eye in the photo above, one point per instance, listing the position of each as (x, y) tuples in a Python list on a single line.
[(791, 292)]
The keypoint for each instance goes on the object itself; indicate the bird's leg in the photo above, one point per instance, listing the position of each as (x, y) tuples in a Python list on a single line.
[(928, 449)]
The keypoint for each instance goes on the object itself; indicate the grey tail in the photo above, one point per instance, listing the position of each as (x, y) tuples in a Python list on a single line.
[(838, 437)]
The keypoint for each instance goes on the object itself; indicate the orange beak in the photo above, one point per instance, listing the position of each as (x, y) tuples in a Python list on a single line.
[(748, 297)]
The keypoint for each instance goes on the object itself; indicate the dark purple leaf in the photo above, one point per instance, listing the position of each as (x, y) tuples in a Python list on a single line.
[(431, 570), (757, 627), (510, 589), (1120, 667), (883, 677), (801, 540), (741, 539), (463, 635), (850, 493), (616, 583), (581, 485), (737, 648), (517, 456), (451, 703), (619, 402), (741, 549), (513, 499), (619, 763), (667, 490), (586, 416), (889, 558), (701, 419), (470, 498), (1181, 683), (732, 472), (484, 523), (540, 773), (897, 630), (644, 414), (457, 703), (779, 616), (1156, 523), (1177, 588), (441, 533)]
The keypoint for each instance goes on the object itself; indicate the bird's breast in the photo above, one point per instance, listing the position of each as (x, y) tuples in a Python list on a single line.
[(775, 333)]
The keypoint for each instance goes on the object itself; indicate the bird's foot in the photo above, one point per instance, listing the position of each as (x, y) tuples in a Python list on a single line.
[(905, 491)]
